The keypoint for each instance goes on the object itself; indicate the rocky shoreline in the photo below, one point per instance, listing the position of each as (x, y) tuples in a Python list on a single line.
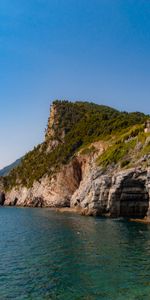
[(122, 194), (145, 220)]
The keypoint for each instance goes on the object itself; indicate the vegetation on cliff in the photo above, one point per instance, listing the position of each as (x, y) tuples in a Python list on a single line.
[(127, 150), (81, 123)]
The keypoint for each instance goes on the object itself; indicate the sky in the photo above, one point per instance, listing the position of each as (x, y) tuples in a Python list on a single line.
[(86, 50)]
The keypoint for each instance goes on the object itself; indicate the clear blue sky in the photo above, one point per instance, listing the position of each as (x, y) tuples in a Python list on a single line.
[(95, 50)]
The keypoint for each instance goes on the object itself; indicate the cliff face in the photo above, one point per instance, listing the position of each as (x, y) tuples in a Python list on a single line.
[(82, 185), (77, 166), (54, 192), (53, 132), (63, 117), (122, 194)]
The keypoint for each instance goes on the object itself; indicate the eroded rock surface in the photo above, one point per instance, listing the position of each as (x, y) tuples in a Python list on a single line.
[(54, 192), (123, 194), (81, 184)]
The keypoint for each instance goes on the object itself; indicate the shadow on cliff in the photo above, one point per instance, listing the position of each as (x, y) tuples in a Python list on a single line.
[(131, 199)]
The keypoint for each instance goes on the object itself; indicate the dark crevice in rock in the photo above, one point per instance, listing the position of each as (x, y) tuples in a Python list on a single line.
[(77, 171), (37, 202), (15, 201), (2, 199)]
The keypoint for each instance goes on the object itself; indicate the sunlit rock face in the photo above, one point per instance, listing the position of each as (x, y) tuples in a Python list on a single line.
[(53, 123), (124, 194), (54, 192), (84, 186)]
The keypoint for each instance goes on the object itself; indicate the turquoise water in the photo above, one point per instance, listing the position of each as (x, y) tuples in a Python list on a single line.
[(49, 255)]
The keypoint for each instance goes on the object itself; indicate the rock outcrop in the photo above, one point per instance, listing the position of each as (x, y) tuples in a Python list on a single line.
[(82, 185), (122, 194), (54, 192), (53, 123), (71, 176)]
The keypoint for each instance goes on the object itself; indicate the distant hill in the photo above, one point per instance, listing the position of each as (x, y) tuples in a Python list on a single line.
[(5, 171)]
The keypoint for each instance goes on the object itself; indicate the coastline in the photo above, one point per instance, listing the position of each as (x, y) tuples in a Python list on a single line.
[(67, 209), (145, 220)]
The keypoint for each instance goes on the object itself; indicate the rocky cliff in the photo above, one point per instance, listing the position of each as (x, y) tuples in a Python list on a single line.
[(122, 194), (94, 159)]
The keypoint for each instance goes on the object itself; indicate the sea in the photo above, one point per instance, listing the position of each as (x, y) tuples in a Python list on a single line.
[(46, 254)]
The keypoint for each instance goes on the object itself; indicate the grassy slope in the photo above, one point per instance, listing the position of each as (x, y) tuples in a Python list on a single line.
[(83, 123), (130, 149)]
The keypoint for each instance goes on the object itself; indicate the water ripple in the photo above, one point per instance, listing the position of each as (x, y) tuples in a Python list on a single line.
[(48, 255)]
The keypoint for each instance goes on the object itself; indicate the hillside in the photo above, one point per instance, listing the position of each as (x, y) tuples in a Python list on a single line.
[(94, 159), (72, 127)]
